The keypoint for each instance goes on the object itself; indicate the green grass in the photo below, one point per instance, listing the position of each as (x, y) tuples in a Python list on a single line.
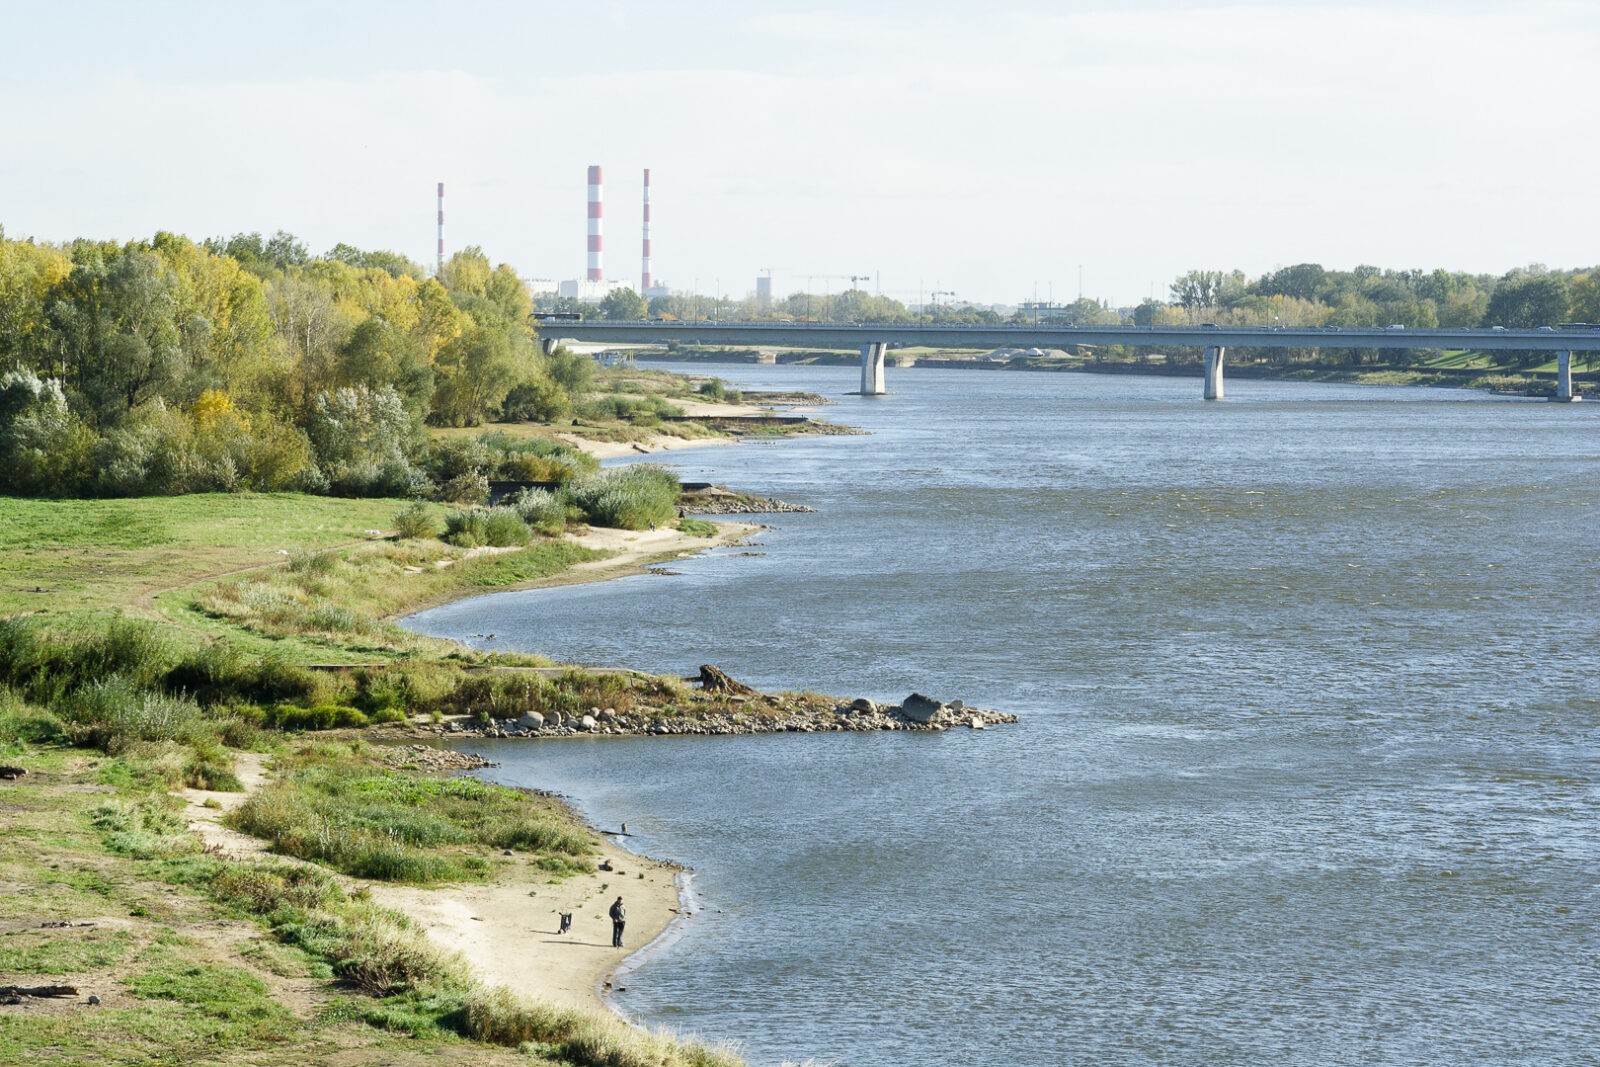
[(229, 1004), (339, 609), (93, 557), (696, 527), (397, 827), (44, 953)]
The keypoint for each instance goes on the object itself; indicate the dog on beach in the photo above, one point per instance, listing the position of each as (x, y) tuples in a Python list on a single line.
[(566, 921)]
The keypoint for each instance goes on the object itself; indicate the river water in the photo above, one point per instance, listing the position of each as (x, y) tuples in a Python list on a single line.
[(1310, 742)]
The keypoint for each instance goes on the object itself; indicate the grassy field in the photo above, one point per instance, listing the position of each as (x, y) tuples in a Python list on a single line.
[(94, 557)]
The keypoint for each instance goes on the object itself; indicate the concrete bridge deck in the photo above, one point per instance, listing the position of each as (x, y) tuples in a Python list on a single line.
[(873, 340)]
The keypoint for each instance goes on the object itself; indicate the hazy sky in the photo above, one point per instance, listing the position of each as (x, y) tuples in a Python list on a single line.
[(979, 147)]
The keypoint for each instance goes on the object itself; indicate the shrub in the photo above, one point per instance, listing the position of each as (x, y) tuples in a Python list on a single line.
[(320, 717), (466, 529), (539, 400), (415, 522), (469, 488), (263, 889), (628, 498), (717, 389), (112, 714), (379, 953), (541, 509), (504, 528)]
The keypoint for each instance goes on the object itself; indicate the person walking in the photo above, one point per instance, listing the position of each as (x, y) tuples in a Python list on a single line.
[(619, 919)]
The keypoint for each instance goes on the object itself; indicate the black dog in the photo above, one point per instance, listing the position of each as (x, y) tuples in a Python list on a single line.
[(566, 921)]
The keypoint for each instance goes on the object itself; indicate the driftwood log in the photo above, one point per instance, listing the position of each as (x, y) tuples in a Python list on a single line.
[(38, 990), (713, 680)]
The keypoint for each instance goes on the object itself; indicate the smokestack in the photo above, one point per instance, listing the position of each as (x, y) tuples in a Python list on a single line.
[(644, 267), (440, 269), (595, 273)]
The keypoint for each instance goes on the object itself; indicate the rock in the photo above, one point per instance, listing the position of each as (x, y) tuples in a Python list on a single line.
[(863, 706), (713, 680), (531, 721), (587, 723), (976, 723), (956, 705), (921, 709), (93, 999)]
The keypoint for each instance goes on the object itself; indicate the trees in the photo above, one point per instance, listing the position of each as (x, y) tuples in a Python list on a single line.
[(115, 319), (1528, 301), (623, 304)]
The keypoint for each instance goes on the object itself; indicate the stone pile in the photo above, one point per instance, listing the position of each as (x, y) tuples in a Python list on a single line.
[(426, 758), (747, 715), (719, 501)]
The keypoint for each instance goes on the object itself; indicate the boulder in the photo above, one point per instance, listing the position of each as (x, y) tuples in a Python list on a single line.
[(531, 721), (921, 709), (863, 706), (714, 680), (588, 722)]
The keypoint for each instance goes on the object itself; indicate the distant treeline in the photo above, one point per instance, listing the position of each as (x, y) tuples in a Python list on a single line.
[(1305, 294), (166, 366)]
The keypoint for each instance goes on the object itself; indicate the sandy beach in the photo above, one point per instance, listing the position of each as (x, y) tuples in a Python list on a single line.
[(507, 930)]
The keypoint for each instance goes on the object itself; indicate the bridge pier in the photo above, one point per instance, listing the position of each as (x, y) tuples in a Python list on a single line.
[(1213, 388), (872, 356), (1564, 393)]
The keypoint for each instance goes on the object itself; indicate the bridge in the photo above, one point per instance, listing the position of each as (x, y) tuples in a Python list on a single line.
[(874, 339)]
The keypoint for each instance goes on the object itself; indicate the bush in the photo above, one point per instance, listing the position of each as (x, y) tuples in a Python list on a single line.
[(504, 528), (113, 714), (628, 498), (469, 488), (541, 509), (466, 529), (539, 400), (320, 717), (415, 522), (263, 889), (717, 389)]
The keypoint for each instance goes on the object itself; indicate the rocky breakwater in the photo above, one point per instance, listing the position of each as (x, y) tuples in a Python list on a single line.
[(732, 708), (719, 500)]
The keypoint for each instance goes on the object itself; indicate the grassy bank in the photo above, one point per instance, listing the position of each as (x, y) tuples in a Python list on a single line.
[(267, 961), (147, 644)]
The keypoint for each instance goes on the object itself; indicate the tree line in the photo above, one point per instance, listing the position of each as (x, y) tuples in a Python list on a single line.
[(1305, 294), (168, 365)]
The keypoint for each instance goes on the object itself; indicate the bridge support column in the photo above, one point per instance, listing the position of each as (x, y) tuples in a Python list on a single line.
[(1213, 389), (872, 356), (1564, 393)]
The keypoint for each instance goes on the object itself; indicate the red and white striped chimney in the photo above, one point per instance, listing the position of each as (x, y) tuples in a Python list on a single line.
[(595, 273), (440, 269), (644, 267)]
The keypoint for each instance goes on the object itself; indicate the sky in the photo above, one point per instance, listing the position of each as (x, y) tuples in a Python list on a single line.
[(996, 150)]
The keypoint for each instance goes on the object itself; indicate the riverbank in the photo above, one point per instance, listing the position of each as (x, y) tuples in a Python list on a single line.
[(231, 623)]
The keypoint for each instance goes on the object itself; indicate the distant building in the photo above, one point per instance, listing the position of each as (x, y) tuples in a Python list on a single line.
[(589, 292), (541, 286)]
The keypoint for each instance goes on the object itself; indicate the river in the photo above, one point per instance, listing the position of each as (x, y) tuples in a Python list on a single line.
[(1310, 742)]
